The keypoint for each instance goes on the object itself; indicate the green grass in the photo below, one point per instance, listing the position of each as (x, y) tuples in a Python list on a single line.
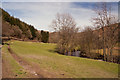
[(43, 54), (11, 64)]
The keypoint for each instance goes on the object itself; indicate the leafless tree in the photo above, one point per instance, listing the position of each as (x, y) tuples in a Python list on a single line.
[(111, 35), (103, 21), (53, 37), (65, 26), (87, 41), (17, 32)]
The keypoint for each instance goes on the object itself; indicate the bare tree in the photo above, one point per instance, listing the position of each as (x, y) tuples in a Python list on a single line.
[(103, 21), (65, 26), (53, 37), (17, 32), (87, 41), (111, 35)]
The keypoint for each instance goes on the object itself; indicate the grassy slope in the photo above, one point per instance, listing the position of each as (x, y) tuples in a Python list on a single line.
[(10, 67), (44, 55)]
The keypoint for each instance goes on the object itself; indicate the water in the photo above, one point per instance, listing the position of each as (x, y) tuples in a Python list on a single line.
[(75, 53)]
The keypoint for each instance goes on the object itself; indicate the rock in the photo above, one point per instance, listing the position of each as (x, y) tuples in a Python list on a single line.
[(35, 74), (20, 69), (62, 74), (25, 72), (16, 75)]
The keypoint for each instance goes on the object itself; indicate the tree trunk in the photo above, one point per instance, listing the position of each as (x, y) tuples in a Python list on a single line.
[(104, 50), (108, 55), (111, 56)]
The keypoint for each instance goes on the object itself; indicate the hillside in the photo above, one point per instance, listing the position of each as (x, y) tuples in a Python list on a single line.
[(14, 27), (41, 60)]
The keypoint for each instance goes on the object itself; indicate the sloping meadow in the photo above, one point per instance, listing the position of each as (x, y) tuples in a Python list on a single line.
[(43, 57)]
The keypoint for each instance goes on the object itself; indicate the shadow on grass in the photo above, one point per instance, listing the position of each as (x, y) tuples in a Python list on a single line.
[(55, 51)]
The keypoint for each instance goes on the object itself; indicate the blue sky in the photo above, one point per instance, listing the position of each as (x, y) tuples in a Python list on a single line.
[(41, 14)]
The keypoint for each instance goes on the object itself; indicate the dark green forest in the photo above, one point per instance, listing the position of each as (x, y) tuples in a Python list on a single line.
[(45, 36)]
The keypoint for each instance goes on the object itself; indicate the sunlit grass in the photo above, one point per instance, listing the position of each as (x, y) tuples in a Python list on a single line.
[(12, 64), (43, 54)]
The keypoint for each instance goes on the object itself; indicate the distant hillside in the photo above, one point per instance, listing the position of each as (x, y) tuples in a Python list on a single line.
[(54, 35), (14, 27)]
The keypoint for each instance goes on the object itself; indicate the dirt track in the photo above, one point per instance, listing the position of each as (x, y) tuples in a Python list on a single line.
[(24, 64), (33, 69)]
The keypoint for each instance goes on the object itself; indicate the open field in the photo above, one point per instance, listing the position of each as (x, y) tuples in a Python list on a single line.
[(42, 60)]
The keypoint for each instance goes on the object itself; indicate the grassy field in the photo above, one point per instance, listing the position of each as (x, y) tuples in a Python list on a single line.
[(43, 55)]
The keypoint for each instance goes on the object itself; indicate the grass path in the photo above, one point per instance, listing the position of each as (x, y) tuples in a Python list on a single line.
[(42, 56), (31, 70), (10, 67)]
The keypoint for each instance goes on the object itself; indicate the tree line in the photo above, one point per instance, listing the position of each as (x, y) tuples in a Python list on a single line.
[(45, 36), (102, 37)]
